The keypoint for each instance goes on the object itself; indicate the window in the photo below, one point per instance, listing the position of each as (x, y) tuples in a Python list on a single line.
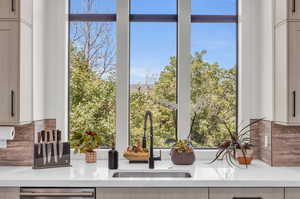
[(214, 71), (153, 7), (92, 6), (214, 7), (213, 84), (176, 58), (153, 69), (153, 79), (92, 72)]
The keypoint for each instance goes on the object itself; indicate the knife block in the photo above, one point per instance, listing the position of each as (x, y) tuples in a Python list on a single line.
[(39, 161)]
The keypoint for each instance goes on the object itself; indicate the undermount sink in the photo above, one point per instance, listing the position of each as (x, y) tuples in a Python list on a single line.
[(151, 174)]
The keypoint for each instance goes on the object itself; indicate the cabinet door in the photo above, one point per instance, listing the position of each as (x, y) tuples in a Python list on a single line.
[(286, 9), (281, 74), (8, 70), (294, 72), (9, 193), (292, 193), (293, 9), (152, 193), (246, 193), (8, 9)]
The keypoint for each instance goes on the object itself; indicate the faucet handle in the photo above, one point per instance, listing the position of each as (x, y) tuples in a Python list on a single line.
[(158, 157)]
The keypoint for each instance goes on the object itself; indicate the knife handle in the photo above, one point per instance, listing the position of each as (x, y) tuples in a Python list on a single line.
[(54, 136), (48, 136), (43, 135), (58, 135), (39, 138)]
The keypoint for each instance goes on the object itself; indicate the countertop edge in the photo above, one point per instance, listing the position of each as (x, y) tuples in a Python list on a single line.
[(149, 184)]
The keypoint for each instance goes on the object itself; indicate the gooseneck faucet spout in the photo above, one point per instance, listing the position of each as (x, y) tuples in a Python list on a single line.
[(148, 115)]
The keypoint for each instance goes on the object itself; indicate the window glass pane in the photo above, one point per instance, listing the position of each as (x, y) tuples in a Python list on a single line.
[(153, 7), (92, 79), (213, 82), (153, 80), (92, 6), (214, 7)]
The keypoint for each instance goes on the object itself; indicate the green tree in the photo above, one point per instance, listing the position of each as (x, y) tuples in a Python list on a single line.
[(92, 99), (215, 89)]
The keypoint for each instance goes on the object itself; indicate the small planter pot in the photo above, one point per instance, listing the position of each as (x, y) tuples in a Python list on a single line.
[(183, 158), (244, 160), (91, 157)]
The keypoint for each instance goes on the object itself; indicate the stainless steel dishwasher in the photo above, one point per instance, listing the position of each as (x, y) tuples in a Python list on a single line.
[(57, 193)]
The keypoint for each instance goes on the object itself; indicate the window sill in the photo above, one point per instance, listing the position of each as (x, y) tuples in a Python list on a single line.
[(102, 154)]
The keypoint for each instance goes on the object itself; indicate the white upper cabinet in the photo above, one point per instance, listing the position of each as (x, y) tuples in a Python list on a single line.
[(15, 63), (287, 73), (287, 10), (294, 72), (9, 9), (8, 69)]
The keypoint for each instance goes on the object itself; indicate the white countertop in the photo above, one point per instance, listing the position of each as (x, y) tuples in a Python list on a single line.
[(203, 175)]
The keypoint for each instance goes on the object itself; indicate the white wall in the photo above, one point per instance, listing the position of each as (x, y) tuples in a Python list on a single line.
[(267, 59), (56, 62), (50, 61), (39, 10), (255, 60)]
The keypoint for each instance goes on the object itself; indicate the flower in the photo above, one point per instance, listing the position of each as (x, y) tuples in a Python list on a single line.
[(85, 142), (90, 133)]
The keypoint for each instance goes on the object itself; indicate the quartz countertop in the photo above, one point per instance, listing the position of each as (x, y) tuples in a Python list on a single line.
[(218, 174)]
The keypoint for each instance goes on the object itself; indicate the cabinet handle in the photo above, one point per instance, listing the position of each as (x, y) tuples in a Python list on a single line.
[(294, 6), (52, 194), (12, 95), (294, 103), (12, 5), (247, 198)]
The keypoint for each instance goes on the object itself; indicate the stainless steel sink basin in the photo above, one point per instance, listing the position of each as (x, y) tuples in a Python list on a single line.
[(151, 174)]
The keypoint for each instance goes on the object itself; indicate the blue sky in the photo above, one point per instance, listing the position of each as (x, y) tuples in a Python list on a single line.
[(152, 44)]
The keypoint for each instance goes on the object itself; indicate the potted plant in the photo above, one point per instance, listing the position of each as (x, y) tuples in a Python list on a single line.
[(86, 143), (238, 147), (244, 154), (182, 153)]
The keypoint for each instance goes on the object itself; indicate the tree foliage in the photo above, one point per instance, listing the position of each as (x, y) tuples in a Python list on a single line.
[(213, 88), (92, 99)]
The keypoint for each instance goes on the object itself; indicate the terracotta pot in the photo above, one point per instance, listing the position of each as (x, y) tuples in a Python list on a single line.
[(90, 157), (183, 158), (248, 156)]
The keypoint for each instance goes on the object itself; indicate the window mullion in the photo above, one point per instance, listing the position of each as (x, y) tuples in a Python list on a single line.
[(184, 67), (122, 95)]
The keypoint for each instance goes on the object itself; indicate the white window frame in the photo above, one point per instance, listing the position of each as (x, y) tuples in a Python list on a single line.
[(184, 21), (123, 67)]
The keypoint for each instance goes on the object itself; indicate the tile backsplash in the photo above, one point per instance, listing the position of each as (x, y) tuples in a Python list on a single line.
[(275, 144)]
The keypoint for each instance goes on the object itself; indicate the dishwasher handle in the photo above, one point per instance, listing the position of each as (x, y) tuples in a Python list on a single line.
[(57, 194)]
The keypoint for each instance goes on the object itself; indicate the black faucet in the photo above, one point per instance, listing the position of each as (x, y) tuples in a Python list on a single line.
[(151, 157)]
